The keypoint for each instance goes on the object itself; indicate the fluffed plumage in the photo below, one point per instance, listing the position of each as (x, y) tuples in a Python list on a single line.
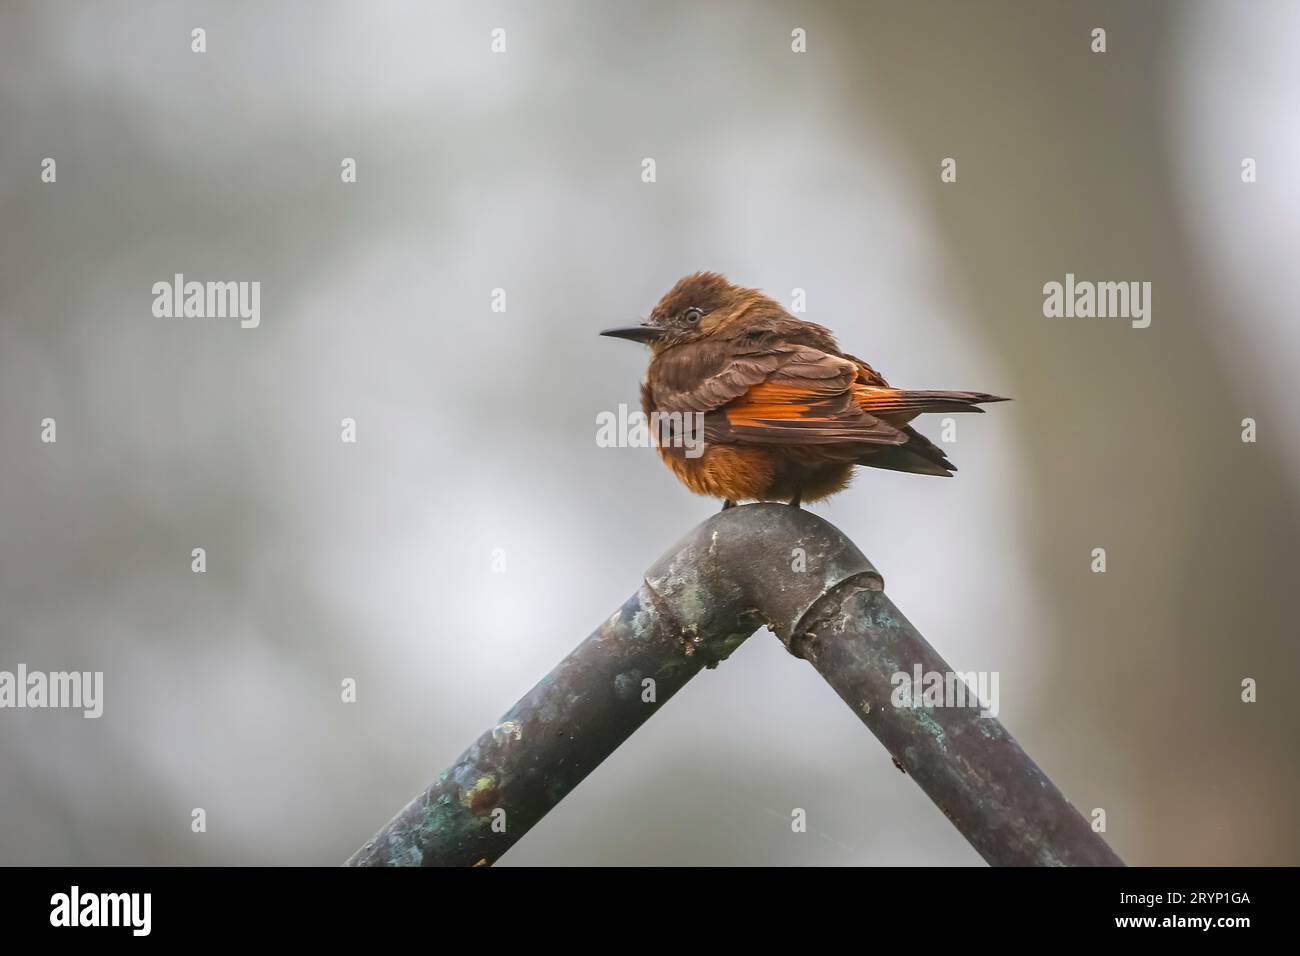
[(786, 414)]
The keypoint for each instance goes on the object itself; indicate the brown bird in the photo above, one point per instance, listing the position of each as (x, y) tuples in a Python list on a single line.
[(784, 413)]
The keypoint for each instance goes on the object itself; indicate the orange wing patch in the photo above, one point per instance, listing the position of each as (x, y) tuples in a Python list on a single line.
[(809, 412), (775, 401)]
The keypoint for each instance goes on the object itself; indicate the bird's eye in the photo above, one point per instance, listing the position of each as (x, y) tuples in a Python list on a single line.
[(692, 315)]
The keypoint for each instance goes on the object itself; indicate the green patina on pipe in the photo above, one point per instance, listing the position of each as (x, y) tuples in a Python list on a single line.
[(742, 568)]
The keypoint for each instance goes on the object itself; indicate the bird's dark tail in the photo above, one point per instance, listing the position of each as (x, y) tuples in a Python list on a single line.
[(919, 456)]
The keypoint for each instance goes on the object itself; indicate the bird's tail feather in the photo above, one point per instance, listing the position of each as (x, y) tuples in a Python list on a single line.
[(919, 456), (908, 403)]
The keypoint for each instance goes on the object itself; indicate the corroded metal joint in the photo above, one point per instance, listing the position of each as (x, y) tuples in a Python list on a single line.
[(757, 564)]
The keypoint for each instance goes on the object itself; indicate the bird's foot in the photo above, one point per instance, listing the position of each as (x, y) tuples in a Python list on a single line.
[(727, 503), (794, 502)]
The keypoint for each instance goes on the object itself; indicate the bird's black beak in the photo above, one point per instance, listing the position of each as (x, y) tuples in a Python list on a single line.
[(637, 333)]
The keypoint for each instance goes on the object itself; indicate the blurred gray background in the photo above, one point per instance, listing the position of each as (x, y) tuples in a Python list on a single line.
[(476, 430)]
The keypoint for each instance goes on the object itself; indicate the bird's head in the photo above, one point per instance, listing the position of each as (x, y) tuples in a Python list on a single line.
[(699, 306)]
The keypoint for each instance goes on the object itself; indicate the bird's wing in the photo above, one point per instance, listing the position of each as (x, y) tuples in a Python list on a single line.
[(866, 374), (777, 394), (808, 400), (704, 376)]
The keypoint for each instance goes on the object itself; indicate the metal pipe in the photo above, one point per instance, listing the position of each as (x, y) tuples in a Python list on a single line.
[(744, 567), (969, 765)]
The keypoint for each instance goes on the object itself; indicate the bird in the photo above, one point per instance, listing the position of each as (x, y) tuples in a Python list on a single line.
[(779, 412)]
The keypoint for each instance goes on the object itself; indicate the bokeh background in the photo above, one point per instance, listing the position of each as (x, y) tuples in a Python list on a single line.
[(476, 430)]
